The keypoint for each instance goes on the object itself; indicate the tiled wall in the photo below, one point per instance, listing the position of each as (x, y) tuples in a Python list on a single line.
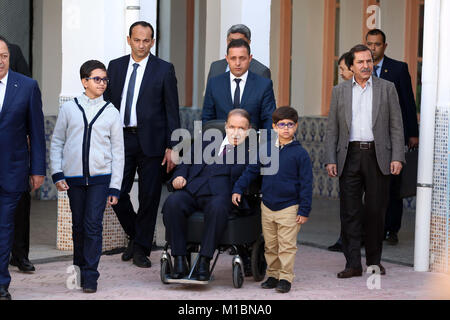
[(311, 134), (440, 220)]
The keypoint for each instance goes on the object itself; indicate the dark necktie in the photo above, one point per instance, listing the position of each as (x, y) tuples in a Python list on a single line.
[(375, 70), (237, 94), (130, 94)]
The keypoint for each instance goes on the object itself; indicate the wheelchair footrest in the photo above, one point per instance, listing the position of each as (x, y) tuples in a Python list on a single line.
[(186, 280)]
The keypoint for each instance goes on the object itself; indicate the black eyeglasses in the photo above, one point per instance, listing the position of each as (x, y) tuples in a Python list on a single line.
[(282, 125), (97, 80)]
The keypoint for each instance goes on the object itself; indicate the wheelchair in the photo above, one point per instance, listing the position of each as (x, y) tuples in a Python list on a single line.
[(243, 230)]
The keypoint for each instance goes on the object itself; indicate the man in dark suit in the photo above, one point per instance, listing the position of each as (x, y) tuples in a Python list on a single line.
[(240, 88), (144, 89), (238, 31), (20, 166), (21, 244), (206, 186), (364, 145), (396, 72)]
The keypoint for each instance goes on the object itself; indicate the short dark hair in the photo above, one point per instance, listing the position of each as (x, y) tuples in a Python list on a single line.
[(238, 43), (89, 66), (285, 113), (355, 49), (242, 29), (5, 41), (144, 24), (243, 113), (345, 57), (376, 32)]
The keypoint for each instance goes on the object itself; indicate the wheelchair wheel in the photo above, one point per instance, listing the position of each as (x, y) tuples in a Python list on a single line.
[(238, 276), (165, 270), (258, 260)]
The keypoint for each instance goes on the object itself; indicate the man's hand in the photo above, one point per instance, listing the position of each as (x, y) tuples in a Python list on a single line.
[(36, 182), (112, 200), (62, 185), (168, 160), (236, 199), (179, 183), (413, 142), (301, 219), (396, 167), (332, 170)]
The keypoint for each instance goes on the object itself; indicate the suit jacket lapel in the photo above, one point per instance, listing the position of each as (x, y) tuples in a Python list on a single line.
[(11, 90), (385, 68), (348, 100), (375, 99), (248, 87), (227, 91), (146, 78)]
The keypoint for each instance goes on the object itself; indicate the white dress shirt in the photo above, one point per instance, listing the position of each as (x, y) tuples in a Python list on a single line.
[(139, 75), (225, 142), (241, 84), (3, 83), (361, 129)]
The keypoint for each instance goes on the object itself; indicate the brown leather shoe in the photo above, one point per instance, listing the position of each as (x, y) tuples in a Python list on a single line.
[(349, 273)]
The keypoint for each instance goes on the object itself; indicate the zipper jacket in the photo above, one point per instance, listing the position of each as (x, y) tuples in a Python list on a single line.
[(87, 145)]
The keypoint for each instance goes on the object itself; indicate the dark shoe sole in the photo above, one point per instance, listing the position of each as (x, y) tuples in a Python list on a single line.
[(14, 264), (341, 276), (88, 290)]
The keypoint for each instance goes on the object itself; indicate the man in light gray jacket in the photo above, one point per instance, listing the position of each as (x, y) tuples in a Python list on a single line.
[(364, 145)]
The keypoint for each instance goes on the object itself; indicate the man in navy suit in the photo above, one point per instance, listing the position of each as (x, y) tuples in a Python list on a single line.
[(396, 72), (240, 88), (206, 186), (144, 89), (20, 116)]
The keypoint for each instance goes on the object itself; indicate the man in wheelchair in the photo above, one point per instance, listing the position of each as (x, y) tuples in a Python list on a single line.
[(206, 187)]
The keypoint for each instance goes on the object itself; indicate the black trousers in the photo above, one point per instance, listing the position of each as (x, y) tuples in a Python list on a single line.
[(21, 244), (395, 208), (180, 205), (361, 175), (139, 226)]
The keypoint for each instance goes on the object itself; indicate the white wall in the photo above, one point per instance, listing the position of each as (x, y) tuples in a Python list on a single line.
[(393, 22)]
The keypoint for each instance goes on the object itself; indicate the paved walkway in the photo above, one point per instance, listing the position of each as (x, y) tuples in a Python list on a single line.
[(315, 270)]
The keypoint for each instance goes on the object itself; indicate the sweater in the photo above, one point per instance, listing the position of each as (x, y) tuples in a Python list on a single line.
[(291, 185)]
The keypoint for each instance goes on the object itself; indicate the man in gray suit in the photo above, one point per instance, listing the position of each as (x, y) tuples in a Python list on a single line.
[(364, 145), (238, 31)]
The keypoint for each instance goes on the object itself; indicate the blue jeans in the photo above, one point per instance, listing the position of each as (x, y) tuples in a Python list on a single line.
[(8, 204), (88, 205)]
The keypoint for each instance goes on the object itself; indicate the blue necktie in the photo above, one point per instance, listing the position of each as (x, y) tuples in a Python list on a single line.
[(375, 70), (237, 94), (130, 94)]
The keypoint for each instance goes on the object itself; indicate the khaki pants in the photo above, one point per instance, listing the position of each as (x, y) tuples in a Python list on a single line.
[(280, 236)]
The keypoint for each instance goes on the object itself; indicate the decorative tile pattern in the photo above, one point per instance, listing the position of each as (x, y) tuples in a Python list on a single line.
[(113, 234), (440, 220)]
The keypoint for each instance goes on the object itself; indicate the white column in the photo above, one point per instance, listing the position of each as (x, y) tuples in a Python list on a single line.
[(90, 30), (427, 129)]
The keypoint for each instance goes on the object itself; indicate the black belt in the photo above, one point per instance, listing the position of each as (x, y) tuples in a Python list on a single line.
[(362, 145), (130, 129)]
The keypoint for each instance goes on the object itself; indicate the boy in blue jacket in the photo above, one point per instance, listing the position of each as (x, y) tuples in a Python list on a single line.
[(286, 200)]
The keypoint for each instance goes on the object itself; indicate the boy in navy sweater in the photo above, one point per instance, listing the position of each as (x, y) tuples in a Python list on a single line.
[(286, 200)]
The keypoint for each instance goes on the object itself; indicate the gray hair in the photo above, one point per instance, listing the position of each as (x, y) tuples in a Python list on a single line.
[(242, 29)]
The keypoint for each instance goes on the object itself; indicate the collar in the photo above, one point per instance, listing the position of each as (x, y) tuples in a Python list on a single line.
[(369, 82), (142, 63), (5, 79), (380, 64), (90, 102), (243, 77), (277, 143), (225, 142)]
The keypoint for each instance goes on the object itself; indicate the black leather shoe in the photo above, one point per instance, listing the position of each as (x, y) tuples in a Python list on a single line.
[(270, 283), (337, 247), (203, 269), (180, 268), (128, 253), (89, 290), (23, 264), (283, 286), (382, 270), (4, 294), (349, 273), (392, 238), (141, 260)]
